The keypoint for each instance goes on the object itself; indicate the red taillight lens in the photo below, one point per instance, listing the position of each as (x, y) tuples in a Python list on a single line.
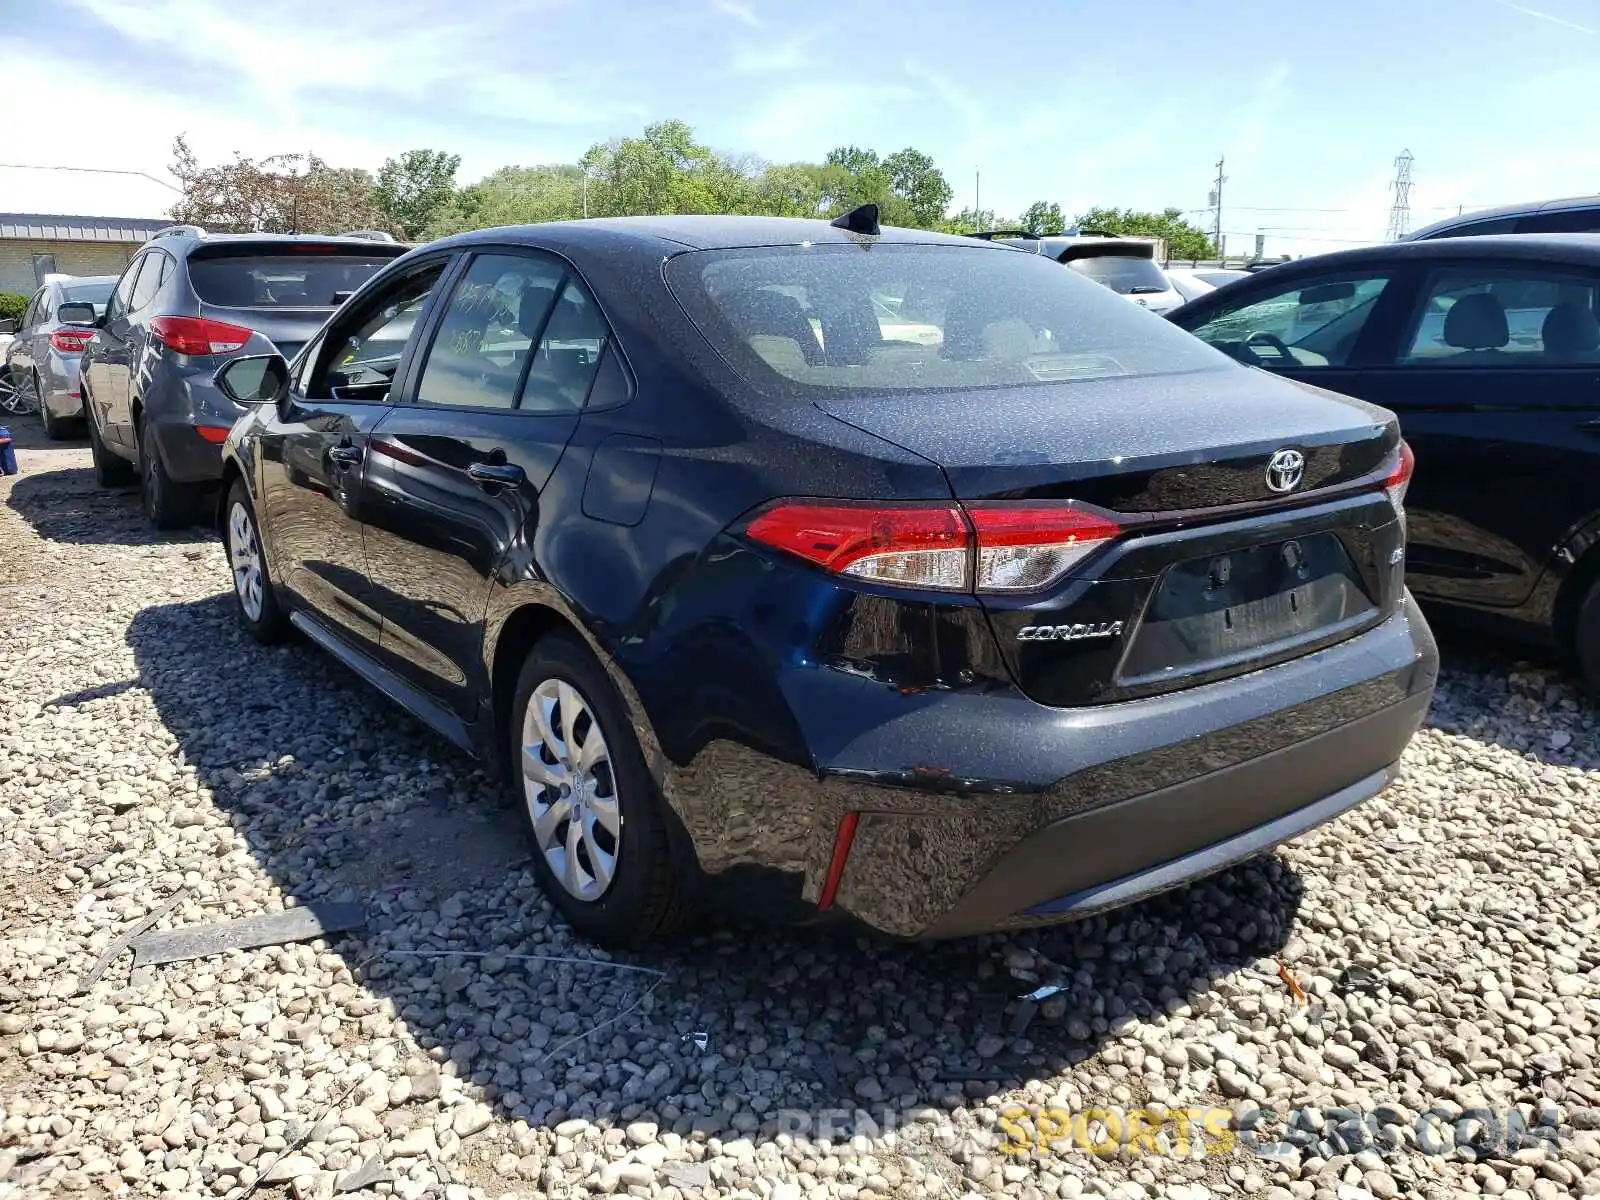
[(199, 335), (71, 339), (914, 545), (1025, 546), (1400, 477), (987, 547), (215, 434)]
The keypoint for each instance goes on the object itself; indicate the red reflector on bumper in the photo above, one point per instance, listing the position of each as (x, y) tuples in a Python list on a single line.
[(216, 434), (841, 853)]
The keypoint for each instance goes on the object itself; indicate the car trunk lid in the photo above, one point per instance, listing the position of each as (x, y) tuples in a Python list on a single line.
[(1223, 564)]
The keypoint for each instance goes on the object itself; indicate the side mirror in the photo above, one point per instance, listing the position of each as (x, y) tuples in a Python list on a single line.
[(254, 379), (75, 313), (8, 326), (1327, 293)]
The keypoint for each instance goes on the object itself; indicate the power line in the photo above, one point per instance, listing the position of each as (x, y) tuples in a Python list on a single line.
[(91, 171)]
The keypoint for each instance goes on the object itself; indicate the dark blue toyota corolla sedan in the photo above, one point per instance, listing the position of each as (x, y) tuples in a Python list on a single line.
[(819, 571)]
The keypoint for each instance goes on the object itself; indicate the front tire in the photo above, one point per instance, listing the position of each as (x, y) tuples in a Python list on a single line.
[(168, 504), (109, 470), (591, 811), (255, 601)]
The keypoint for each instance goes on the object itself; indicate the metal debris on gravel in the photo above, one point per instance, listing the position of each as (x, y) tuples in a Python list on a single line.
[(1442, 936)]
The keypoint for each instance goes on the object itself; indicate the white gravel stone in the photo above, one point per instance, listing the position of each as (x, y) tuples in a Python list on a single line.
[(1444, 935)]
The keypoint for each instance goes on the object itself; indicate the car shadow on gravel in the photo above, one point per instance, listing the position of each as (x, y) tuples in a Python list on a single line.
[(66, 505), (338, 795)]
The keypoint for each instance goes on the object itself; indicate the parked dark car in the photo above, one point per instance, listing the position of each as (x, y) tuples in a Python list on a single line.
[(834, 573), (41, 361), (1488, 349), (1576, 214), (187, 303)]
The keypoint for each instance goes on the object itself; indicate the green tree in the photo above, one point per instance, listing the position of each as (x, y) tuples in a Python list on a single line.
[(413, 189), (971, 220), (914, 179), (1183, 239), (853, 159), (1043, 219), (282, 193), (513, 196)]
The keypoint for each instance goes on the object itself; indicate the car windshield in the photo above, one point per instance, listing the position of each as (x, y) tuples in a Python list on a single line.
[(305, 280), (1122, 273), (96, 294), (919, 317)]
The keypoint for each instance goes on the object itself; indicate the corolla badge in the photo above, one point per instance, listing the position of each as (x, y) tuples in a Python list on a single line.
[(1069, 633), (1285, 470)]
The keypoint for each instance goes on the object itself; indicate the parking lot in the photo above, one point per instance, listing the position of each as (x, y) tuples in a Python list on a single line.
[(153, 761)]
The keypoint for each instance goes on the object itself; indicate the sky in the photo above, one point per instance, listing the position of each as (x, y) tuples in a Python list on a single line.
[(1081, 103)]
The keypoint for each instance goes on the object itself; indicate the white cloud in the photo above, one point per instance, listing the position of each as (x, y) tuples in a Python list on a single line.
[(739, 11), (806, 120)]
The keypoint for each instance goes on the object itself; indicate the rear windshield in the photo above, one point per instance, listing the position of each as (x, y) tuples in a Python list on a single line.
[(1120, 273), (96, 294), (919, 317), (281, 281)]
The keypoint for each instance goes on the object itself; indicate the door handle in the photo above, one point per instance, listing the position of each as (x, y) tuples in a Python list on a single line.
[(489, 475), (345, 455)]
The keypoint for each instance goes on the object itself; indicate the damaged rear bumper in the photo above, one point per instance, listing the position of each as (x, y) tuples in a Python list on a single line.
[(1136, 798)]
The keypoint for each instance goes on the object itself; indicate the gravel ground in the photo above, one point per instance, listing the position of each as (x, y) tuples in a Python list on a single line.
[(152, 761)]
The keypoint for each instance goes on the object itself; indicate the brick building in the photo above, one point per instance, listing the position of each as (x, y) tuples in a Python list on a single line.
[(34, 244)]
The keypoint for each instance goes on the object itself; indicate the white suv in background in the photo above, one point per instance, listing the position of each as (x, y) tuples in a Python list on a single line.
[(1126, 265)]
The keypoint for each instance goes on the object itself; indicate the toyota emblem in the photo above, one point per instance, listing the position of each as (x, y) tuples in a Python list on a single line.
[(1284, 470)]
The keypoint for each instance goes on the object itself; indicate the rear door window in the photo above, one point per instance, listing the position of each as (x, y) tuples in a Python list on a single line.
[(495, 315), (1512, 316), (1303, 324), (1566, 220), (312, 278), (119, 298), (914, 317), (151, 277)]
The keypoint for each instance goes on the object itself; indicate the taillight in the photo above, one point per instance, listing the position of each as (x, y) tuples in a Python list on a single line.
[(914, 545), (1025, 546), (999, 546), (199, 335), (71, 339), (1400, 476), (215, 434)]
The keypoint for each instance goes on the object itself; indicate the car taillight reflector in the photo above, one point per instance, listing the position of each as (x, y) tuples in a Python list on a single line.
[(1400, 477), (997, 546), (215, 434), (1024, 546), (71, 341), (914, 545), (199, 335)]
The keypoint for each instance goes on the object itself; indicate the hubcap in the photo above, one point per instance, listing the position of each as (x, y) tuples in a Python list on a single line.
[(246, 557), (17, 394), (570, 789)]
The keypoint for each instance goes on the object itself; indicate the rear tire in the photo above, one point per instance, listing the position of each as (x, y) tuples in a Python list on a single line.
[(54, 427), (109, 470), (618, 886), (255, 601), (168, 504), (1586, 637)]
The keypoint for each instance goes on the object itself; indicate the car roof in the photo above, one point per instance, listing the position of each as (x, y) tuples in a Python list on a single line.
[(1505, 210), (673, 234), (1569, 247)]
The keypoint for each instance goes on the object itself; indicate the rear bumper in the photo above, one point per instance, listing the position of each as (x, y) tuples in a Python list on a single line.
[(184, 400), (982, 810), (1169, 837), (58, 385)]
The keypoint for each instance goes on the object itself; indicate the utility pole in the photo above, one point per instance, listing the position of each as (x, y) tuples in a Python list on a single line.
[(1400, 214), (1216, 203)]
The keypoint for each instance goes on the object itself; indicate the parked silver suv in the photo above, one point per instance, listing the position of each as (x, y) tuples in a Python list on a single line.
[(41, 363), (188, 302)]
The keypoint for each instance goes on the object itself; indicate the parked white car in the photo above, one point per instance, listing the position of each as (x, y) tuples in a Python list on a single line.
[(1193, 282)]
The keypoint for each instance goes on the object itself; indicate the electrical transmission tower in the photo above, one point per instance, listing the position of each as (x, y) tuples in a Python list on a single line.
[(1400, 214)]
